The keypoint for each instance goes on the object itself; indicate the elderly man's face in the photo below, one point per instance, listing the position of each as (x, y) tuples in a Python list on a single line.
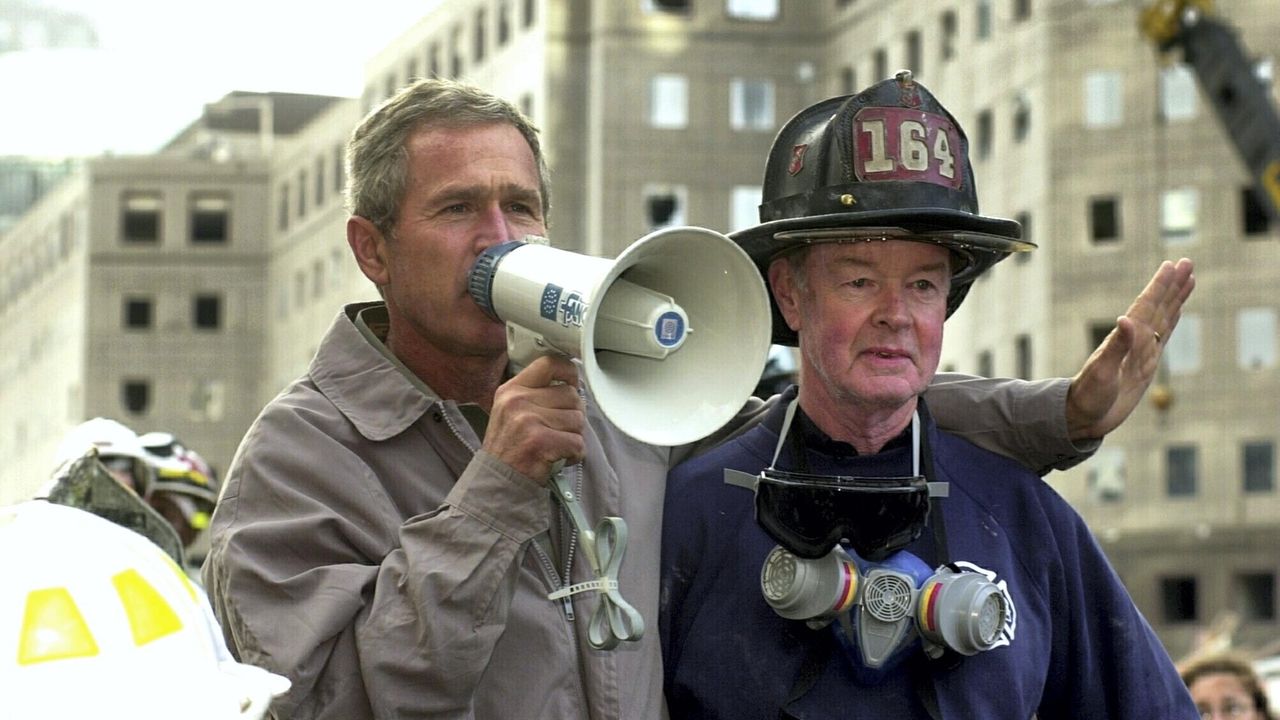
[(869, 316)]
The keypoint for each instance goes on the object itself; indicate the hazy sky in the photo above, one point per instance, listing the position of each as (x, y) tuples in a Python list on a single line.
[(160, 61)]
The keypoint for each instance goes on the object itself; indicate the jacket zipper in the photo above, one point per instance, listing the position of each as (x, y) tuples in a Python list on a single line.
[(554, 580)]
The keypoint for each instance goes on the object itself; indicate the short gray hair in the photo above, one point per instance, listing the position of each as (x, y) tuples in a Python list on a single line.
[(378, 162)]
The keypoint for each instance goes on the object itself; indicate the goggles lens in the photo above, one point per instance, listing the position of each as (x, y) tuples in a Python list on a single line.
[(809, 514)]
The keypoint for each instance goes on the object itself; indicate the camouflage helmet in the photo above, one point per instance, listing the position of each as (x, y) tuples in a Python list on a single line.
[(887, 163)]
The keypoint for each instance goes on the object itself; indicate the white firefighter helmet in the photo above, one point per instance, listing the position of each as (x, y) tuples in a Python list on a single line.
[(118, 448), (100, 622)]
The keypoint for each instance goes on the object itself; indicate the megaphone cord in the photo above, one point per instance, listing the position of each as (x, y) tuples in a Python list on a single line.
[(614, 619)]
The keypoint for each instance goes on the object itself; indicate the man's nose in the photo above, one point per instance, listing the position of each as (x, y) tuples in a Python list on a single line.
[(494, 227), (891, 307)]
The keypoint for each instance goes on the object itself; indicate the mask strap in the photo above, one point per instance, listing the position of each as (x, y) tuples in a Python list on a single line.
[(782, 434)]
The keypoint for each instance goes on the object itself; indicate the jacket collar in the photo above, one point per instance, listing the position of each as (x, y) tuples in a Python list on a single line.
[(363, 380)]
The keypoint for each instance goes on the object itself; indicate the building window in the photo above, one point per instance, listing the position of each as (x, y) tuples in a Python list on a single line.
[(135, 395), (986, 364), (1021, 118), (880, 65), (137, 313), (526, 104), (1257, 596), (1103, 99), (1022, 354), (433, 59), (303, 188), (299, 288), (1253, 213), (1178, 599), (915, 54), (320, 185), (530, 15), (1181, 474), (140, 217), (317, 278), (745, 207), (479, 35), (983, 20), (1177, 93), (983, 133), (339, 167), (848, 80), (665, 205), (1256, 338), (750, 104), (1107, 475), (752, 9), (1024, 219), (209, 214), (206, 311), (669, 101), (1104, 219), (389, 85), (282, 216), (1259, 461), (1178, 211), (667, 6), (947, 38), (1182, 351), (504, 23), (1021, 10), (455, 52)]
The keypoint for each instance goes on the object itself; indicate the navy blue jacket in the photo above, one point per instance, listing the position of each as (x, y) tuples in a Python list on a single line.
[(1081, 648)]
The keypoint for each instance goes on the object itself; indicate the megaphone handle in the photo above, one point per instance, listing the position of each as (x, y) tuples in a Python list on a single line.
[(614, 619)]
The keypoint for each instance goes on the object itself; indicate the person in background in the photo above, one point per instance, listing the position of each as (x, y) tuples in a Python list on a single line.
[(1225, 686), (847, 558), (185, 488), (117, 447), (386, 537)]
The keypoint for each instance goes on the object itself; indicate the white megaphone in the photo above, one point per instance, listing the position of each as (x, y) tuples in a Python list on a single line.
[(672, 335)]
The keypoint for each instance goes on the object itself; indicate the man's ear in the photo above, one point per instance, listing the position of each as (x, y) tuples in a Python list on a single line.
[(782, 283), (370, 249)]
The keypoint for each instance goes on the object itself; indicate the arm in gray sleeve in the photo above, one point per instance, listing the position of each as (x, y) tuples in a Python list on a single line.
[(316, 575), (1020, 419)]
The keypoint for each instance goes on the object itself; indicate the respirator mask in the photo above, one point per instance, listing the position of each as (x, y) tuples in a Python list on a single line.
[(840, 557)]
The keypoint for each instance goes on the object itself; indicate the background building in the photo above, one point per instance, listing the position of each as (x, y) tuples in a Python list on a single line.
[(660, 112)]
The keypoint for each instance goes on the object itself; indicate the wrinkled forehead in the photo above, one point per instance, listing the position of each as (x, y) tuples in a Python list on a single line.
[(899, 255)]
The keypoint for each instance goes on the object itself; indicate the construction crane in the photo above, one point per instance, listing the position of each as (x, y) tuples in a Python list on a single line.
[(1240, 99)]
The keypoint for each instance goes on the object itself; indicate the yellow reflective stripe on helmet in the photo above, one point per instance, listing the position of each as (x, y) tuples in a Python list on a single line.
[(53, 628), (150, 616)]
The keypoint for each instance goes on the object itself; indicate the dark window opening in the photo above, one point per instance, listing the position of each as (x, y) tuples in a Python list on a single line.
[(137, 313), (1098, 332), (915, 54), (948, 46), (530, 13), (136, 396), (480, 35), (1178, 599), (209, 219), (1257, 596), (1104, 219), (674, 6), (140, 219), (1180, 471), (1024, 219), (1259, 467), (661, 209), (1022, 351), (985, 132), (207, 312), (1256, 219)]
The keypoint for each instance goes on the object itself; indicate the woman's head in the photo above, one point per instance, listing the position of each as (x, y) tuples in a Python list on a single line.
[(1225, 686)]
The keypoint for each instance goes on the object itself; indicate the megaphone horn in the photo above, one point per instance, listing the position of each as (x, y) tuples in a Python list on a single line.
[(672, 335)]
